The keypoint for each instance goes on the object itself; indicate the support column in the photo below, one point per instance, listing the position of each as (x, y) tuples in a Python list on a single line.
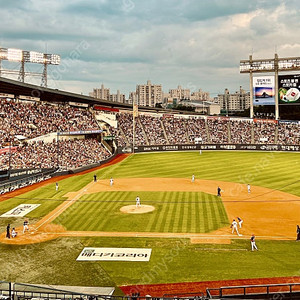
[(251, 90), (276, 87)]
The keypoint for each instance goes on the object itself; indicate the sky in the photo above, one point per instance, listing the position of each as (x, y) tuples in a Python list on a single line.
[(122, 43)]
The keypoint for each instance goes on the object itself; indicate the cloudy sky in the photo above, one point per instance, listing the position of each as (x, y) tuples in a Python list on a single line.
[(121, 43)]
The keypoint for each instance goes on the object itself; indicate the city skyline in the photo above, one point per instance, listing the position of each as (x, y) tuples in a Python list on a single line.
[(195, 44)]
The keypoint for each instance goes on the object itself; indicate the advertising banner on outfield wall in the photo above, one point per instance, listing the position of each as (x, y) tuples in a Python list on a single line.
[(289, 89), (264, 90), (114, 254), (251, 147)]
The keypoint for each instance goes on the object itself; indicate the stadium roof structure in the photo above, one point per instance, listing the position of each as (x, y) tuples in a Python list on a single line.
[(17, 88)]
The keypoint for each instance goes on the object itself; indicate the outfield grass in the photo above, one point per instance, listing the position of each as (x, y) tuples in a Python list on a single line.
[(172, 260), (276, 170), (174, 212)]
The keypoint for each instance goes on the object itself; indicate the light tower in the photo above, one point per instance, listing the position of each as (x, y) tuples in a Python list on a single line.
[(23, 57)]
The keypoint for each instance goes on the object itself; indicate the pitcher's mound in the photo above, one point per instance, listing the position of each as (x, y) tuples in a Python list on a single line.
[(132, 209)]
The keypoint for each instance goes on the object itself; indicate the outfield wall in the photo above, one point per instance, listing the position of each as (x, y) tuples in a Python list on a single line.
[(186, 147)]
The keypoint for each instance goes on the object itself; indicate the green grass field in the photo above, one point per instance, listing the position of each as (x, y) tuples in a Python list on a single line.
[(199, 212), (175, 212)]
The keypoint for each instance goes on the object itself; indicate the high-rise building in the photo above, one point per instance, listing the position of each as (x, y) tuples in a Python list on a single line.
[(149, 94), (200, 96), (180, 93), (102, 93), (118, 97), (132, 98), (239, 101)]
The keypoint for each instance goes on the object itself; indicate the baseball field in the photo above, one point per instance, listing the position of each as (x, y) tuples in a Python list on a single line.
[(184, 223)]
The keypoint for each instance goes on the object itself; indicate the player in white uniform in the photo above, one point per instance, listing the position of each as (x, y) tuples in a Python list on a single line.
[(13, 233), (56, 186), (193, 178), (25, 226), (234, 227), (240, 221), (137, 201), (111, 181), (249, 188), (253, 245)]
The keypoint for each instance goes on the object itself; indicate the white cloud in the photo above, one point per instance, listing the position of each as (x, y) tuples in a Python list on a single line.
[(192, 43)]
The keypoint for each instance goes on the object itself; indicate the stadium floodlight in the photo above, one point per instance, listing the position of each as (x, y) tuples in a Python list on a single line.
[(52, 59), (23, 56), (14, 55), (18, 55), (3, 53), (36, 57)]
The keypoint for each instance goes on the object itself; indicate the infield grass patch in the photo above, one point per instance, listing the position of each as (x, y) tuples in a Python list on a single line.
[(193, 212)]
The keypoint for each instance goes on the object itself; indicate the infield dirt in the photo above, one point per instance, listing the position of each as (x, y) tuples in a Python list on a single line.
[(270, 214)]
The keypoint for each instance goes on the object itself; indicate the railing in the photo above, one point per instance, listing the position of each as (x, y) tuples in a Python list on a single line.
[(23, 291), (287, 289)]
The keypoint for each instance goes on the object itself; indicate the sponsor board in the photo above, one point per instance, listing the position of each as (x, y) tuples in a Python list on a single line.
[(191, 147), (289, 89), (20, 211), (264, 90), (114, 254)]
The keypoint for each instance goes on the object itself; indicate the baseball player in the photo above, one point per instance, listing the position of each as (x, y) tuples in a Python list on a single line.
[(25, 226), (8, 231), (13, 233), (111, 182), (137, 201), (95, 178), (253, 245), (240, 221), (234, 227), (56, 186), (249, 188), (193, 178), (219, 191)]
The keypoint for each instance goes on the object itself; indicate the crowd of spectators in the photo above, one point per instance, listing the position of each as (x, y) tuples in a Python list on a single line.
[(196, 129), (66, 155), (153, 129), (288, 133), (218, 130), (125, 122), (264, 132), (176, 130), (162, 130), (32, 119), (240, 131)]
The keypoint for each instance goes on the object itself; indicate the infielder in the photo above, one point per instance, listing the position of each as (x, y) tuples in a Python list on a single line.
[(137, 201), (234, 227), (111, 182), (193, 178), (249, 188), (219, 191), (240, 221), (253, 245), (25, 226)]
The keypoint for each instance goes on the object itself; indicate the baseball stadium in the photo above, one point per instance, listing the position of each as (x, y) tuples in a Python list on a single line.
[(108, 200)]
